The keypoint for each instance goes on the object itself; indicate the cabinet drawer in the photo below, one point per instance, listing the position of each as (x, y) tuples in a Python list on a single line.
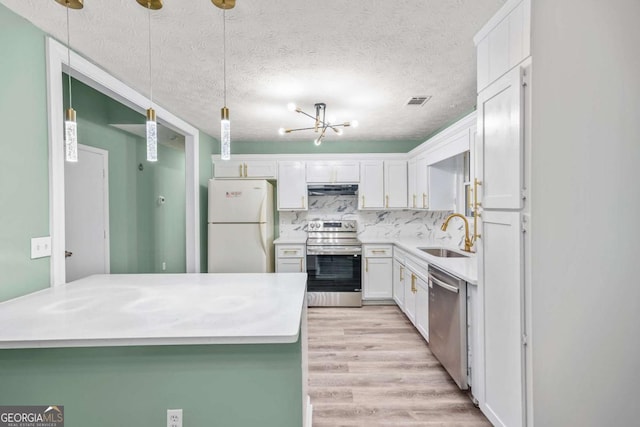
[(291, 251), (378, 251)]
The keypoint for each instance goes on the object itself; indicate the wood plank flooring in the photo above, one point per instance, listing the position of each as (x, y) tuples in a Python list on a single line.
[(368, 366)]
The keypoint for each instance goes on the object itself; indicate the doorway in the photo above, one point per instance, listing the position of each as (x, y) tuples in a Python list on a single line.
[(87, 214), (90, 74)]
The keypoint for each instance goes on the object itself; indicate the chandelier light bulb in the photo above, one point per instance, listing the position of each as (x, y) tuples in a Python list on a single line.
[(354, 123), (339, 131), (291, 106), (317, 141), (281, 131)]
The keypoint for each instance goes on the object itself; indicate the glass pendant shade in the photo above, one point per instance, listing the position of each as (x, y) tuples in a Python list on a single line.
[(71, 136), (225, 135), (152, 136)]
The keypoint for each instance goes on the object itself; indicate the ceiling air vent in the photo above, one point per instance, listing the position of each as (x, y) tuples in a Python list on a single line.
[(418, 101)]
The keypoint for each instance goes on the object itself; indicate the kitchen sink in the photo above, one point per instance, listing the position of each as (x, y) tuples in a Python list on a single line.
[(442, 252)]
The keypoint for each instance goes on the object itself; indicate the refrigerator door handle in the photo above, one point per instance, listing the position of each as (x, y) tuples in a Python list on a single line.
[(263, 238), (263, 214)]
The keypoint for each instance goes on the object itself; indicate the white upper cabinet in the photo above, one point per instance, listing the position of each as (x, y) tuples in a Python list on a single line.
[(251, 169), (504, 42), (371, 188), (417, 183), (422, 183), (292, 186), (395, 184), (343, 172), (499, 142)]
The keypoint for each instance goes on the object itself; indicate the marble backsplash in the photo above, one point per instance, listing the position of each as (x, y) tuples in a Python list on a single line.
[(422, 225)]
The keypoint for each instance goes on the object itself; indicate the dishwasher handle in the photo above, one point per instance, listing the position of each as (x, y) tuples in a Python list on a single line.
[(442, 284)]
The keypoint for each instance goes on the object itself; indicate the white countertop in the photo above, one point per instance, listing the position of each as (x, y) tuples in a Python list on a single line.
[(157, 309), (464, 268), (291, 240)]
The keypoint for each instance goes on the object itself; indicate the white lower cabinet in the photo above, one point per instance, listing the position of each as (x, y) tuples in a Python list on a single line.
[(377, 277), (417, 295), (422, 307), (399, 275), (290, 258)]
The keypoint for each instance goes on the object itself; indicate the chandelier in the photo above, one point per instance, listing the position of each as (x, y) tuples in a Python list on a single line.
[(321, 124)]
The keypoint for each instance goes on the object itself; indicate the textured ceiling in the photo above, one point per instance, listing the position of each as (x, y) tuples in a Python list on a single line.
[(364, 59)]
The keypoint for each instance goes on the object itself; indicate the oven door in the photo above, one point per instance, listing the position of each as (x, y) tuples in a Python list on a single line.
[(332, 271)]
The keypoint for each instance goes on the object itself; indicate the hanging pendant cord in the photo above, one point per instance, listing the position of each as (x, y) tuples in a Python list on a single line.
[(150, 82), (224, 54), (69, 57)]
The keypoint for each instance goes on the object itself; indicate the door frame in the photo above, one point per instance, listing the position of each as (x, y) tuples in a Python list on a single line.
[(97, 78), (105, 185)]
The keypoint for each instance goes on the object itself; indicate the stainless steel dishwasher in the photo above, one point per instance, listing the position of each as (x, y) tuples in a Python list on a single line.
[(448, 323)]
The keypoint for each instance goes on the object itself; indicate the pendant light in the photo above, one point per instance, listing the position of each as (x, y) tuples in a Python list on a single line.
[(152, 126), (70, 124), (225, 124)]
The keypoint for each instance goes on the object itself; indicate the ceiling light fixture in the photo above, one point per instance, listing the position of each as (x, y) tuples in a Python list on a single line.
[(152, 126), (225, 124), (321, 124), (70, 125)]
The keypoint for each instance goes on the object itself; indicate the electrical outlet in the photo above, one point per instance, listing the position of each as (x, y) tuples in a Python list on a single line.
[(164, 266), (174, 417), (40, 247)]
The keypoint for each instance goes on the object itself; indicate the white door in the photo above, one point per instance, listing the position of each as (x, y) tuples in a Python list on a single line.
[(237, 201), (378, 278), (87, 213), (502, 325), (500, 142)]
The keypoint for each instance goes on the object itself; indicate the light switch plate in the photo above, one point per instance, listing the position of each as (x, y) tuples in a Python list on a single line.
[(40, 247)]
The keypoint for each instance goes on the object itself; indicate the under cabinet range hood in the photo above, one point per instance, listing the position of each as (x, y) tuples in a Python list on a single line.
[(333, 190)]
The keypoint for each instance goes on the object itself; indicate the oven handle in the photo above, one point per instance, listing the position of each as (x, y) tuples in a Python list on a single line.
[(333, 251), (442, 284)]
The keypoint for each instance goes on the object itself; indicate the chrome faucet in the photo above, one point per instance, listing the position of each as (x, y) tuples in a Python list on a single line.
[(468, 243)]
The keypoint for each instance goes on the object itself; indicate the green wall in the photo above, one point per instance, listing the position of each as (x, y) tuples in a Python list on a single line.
[(143, 234), (24, 163), (24, 171), (214, 385)]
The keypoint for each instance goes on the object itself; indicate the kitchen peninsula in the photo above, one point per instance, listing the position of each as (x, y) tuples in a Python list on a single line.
[(227, 349)]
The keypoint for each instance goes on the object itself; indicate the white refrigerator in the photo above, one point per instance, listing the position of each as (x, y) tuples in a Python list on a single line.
[(240, 226)]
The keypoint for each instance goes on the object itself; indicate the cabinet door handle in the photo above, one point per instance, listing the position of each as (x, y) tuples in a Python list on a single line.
[(240, 171), (301, 266), (290, 251), (413, 283), (401, 273), (424, 200), (386, 202), (245, 170), (378, 251), (366, 265), (302, 202), (414, 200), (363, 201)]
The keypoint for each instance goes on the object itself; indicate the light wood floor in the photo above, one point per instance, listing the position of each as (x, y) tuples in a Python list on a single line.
[(369, 367)]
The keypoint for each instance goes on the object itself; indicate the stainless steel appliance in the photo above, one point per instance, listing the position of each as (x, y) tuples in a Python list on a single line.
[(334, 264), (448, 323)]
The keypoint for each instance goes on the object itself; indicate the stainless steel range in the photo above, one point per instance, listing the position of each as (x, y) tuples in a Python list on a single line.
[(334, 264)]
